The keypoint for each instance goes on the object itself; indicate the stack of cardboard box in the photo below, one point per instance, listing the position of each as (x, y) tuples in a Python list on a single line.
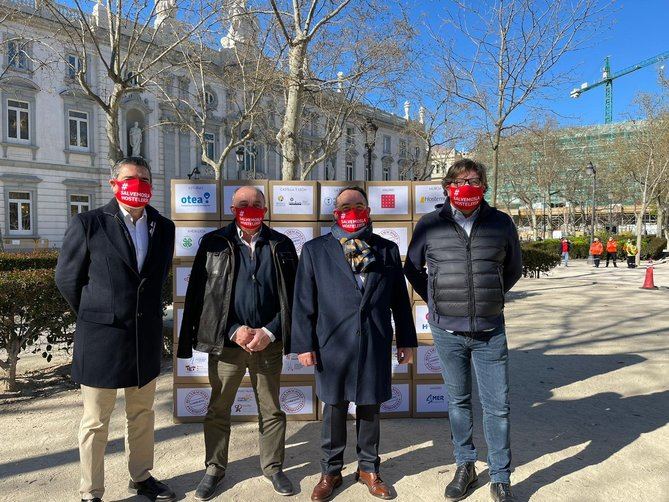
[(302, 210)]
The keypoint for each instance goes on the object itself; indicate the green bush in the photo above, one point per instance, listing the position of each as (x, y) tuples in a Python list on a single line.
[(651, 247), (31, 308), (28, 261), (536, 260)]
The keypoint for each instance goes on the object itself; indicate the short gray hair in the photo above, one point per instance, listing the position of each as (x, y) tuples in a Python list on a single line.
[(258, 191), (135, 161)]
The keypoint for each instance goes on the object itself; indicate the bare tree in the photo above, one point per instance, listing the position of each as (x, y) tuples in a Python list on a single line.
[(508, 56), (364, 39), (134, 41), (644, 156), (249, 78)]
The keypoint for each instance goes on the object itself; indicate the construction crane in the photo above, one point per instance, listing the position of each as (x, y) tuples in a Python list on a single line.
[(608, 78)]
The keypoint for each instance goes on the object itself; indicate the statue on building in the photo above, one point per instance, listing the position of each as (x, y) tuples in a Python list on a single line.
[(242, 26), (407, 110), (165, 9), (421, 115), (136, 140)]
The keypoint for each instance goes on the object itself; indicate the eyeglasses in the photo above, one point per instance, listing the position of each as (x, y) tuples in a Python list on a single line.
[(475, 182)]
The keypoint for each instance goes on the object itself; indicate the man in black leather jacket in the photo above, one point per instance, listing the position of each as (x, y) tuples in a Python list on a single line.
[(473, 258), (238, 310)]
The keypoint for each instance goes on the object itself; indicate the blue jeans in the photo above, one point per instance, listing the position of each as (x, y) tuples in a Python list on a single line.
[(491, 364), (565, 258)]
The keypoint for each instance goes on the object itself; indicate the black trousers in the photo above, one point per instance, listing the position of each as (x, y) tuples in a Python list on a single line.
[(333, 437), (610, 256)]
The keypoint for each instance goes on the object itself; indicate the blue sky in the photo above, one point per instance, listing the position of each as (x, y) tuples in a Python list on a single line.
[(638, 29)]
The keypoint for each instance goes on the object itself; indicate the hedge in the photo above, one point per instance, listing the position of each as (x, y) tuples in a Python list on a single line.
[(28, 261), (651, 246), (536, 261)]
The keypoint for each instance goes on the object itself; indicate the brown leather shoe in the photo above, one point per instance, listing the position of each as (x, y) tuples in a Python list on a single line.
[(327, 484), (374, 484)]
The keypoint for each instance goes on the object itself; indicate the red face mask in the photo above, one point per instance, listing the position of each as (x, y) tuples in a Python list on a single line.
[(353, 219), (466, 197), (133, 192), (249, 218)]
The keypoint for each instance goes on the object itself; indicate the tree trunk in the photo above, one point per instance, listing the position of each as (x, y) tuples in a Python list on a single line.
[(13, 351), (533, 222), (287, 136), (495, 169), (112, 127), (660, 218)]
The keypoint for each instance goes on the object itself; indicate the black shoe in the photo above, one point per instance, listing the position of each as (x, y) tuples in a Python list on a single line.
[(501, 492), (152, 488), (465, 476), (281, 484), (96, 499), (207, 487)]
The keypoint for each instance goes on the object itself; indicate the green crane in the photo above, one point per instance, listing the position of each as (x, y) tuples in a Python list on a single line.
[(608, 78)]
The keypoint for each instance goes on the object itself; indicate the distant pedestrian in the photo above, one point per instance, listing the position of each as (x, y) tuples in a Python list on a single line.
[(631, 251), (611, 251), (596, 250), (564, 248)]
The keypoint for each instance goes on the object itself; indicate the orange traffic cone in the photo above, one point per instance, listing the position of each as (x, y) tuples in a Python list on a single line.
[(648, 282)]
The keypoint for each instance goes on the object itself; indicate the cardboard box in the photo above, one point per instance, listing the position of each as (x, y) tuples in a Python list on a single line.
[(298, 400), (193, 370), (398, 232), (399, 405), (191, 402), (426, 195), (298, 232), (293, 200), (198, 200), (177, 316), (389, 200), (188, 236), (427, 365), (181, 274), (293, 371), (328, 191), (420, 316), (430, 400), (228, 188)]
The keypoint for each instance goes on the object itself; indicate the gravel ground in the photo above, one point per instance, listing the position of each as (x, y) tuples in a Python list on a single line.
[(589, 393)]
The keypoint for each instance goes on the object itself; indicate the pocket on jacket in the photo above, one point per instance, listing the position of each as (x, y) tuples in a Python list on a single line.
[(96, 317)]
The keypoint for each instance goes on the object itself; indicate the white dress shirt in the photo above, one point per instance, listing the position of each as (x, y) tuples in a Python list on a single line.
[(252, 247), (466, 222), (139, 233)]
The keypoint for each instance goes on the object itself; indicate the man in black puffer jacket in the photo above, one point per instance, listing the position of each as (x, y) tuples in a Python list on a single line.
[(473, 258)]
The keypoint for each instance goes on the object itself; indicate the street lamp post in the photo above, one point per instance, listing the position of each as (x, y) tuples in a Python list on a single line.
[(369, 129), (239, 155), (592, 171)]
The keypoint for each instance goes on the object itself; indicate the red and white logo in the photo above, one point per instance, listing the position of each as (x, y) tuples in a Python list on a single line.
[(388, 201)]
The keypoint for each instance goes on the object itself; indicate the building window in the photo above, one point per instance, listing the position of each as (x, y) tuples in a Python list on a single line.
[(350, 136), (78, 127), (17, 55), (349, 170), (386, 172), (417, 152), (314, 125), (73, 65), (209, 97), (20, 213), (403, 148), (210, 142), (133, 79), (79, 204), (386, 144), (18, 121)]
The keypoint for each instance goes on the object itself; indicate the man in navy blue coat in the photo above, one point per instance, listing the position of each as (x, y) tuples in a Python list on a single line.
[(111, 270), (347, 284)]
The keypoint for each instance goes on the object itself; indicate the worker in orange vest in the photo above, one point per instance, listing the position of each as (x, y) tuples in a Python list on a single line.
[(611, 251), (596, 250)]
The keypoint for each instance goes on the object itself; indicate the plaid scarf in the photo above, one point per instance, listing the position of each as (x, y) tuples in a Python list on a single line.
[(356, 250)]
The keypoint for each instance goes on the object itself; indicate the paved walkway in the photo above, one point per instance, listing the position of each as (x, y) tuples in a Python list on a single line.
[(590, 403)]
